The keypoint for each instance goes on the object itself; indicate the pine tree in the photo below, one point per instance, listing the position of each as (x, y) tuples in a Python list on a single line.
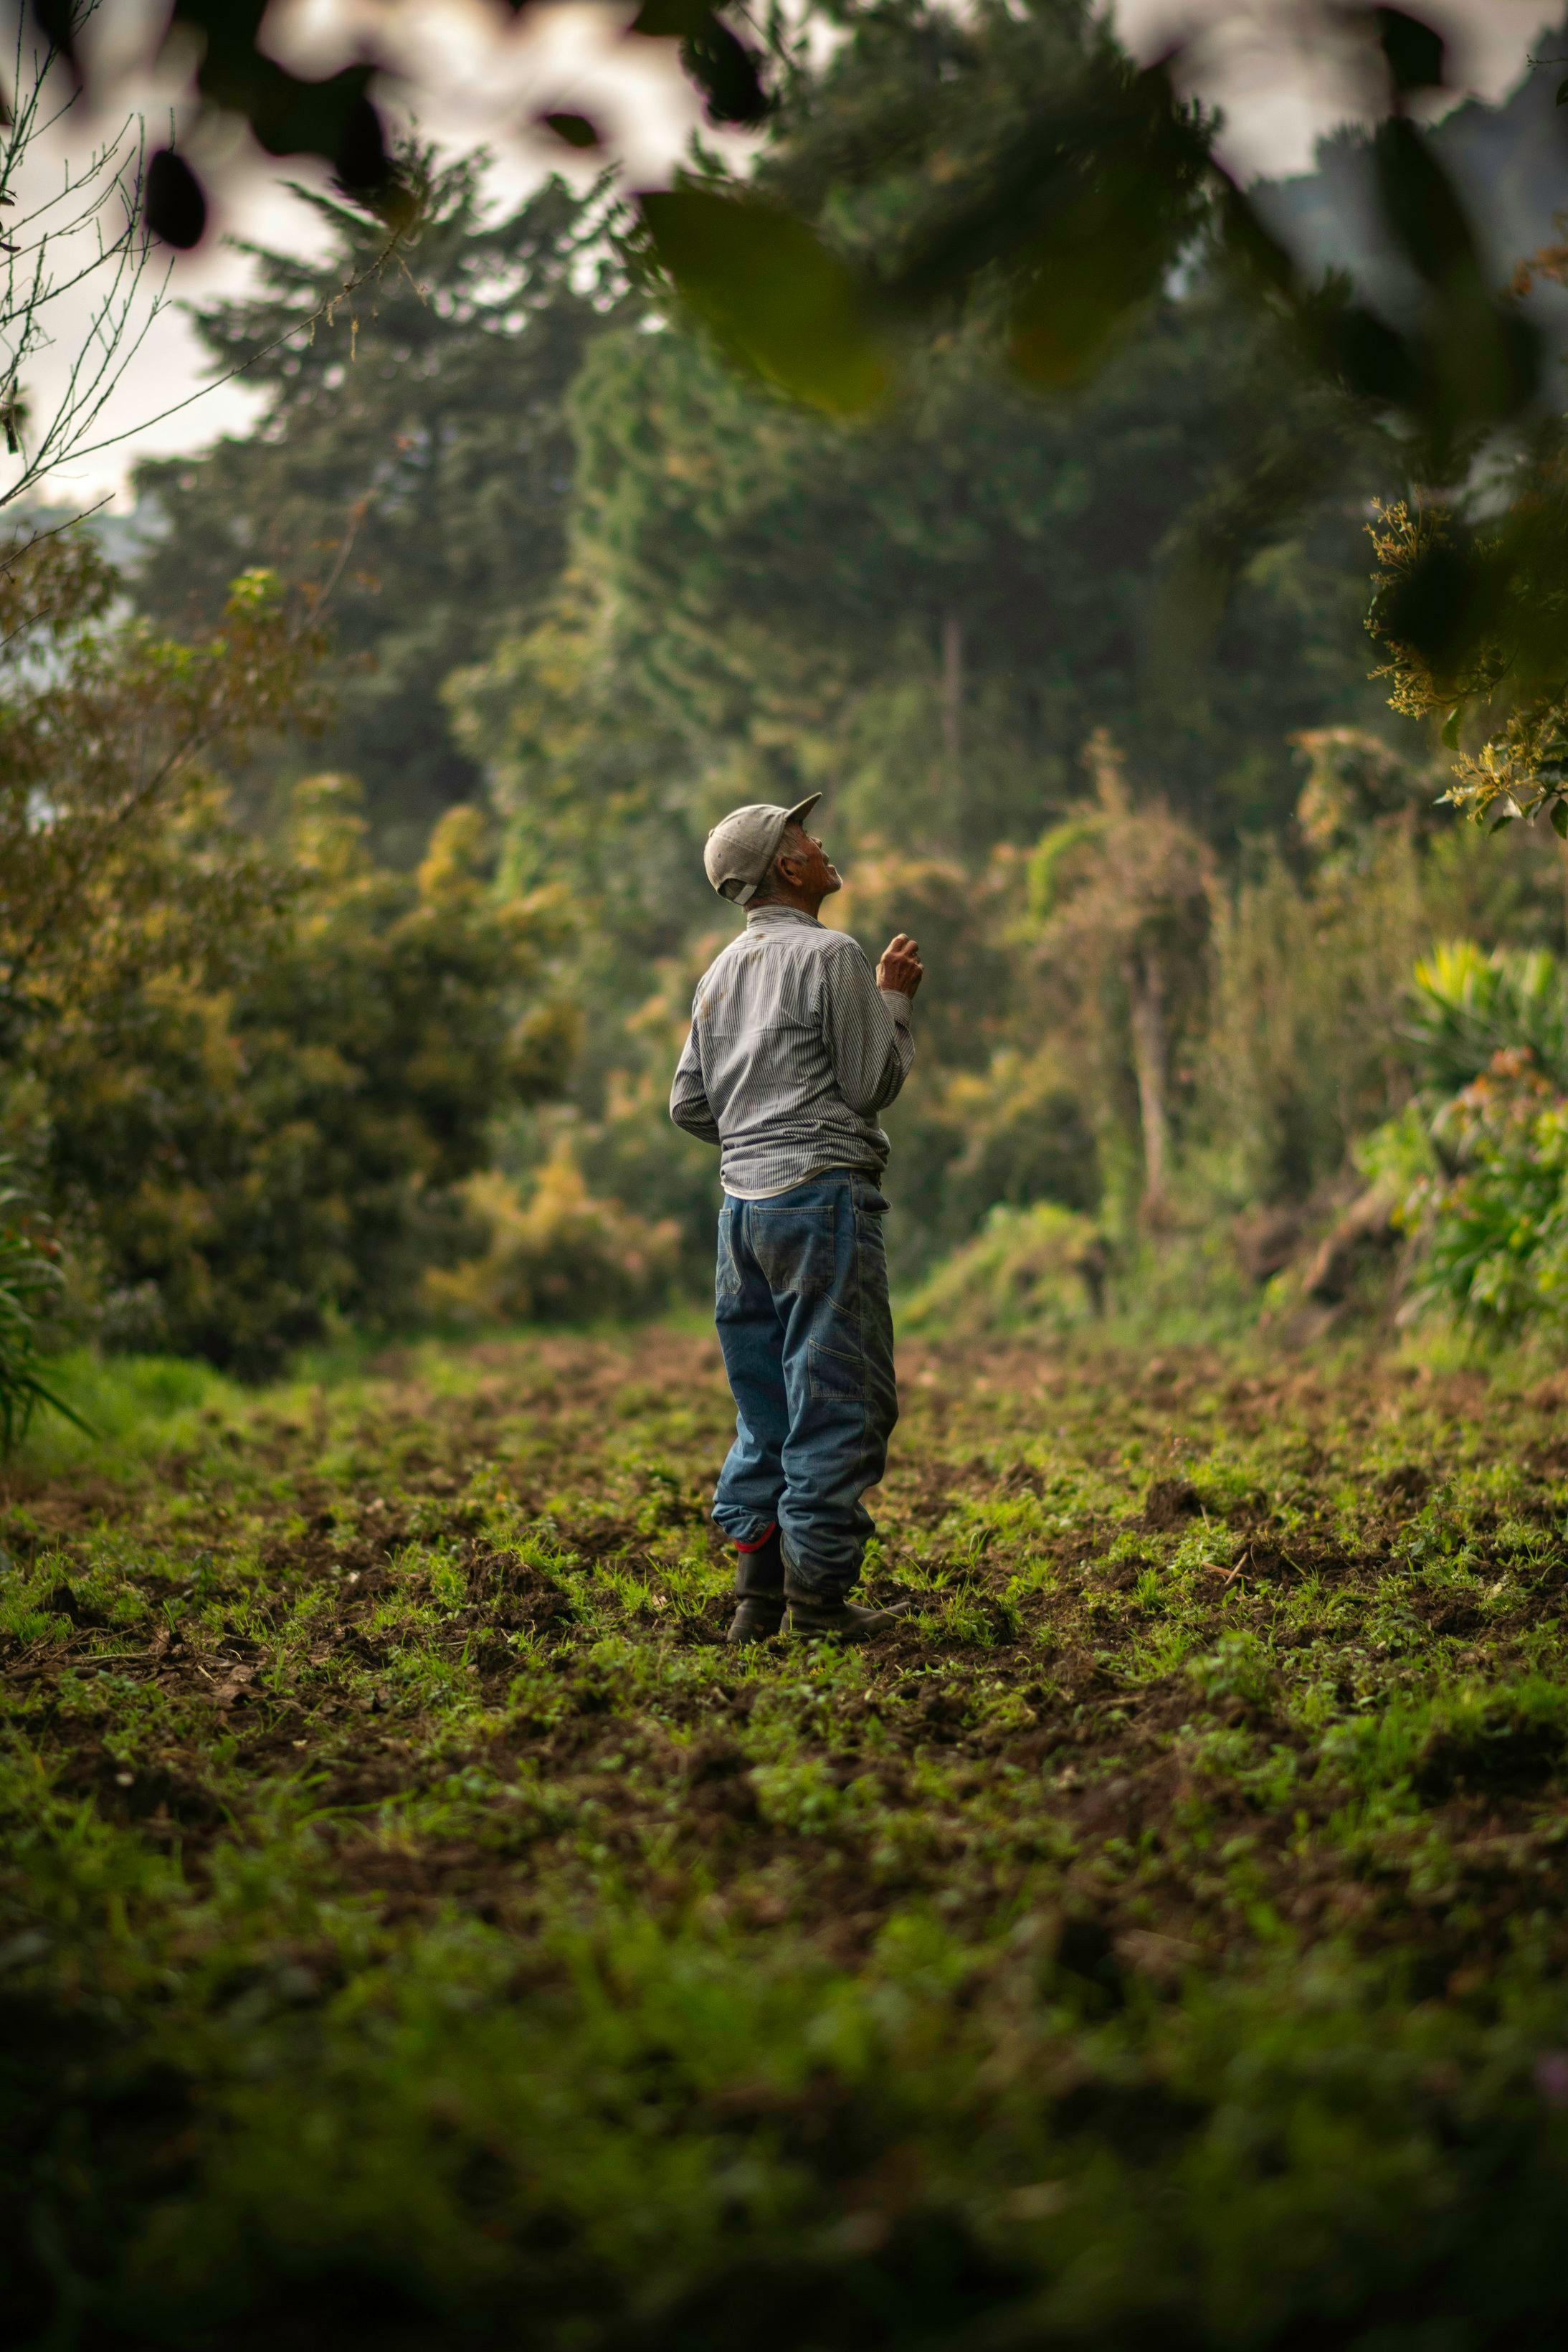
[(412, 442)]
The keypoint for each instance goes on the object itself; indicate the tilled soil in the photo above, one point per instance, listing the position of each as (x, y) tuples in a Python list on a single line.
[(471, 1618)]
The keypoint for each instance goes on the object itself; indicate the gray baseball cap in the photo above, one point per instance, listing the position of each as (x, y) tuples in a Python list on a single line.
[(743, 845)]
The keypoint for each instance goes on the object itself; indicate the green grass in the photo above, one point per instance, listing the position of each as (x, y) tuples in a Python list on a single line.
[(418, 1929)]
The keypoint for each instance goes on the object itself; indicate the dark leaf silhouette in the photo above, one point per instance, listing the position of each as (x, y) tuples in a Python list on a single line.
[(1417, 53), (173, 205), (1421, 206), (1441, 606), (1373, 360), (671, 20), (57, 20), (575, 130), (728, 72)]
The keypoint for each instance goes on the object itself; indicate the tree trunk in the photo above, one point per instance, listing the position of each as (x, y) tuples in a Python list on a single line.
[(1146, 995), (953, 696)]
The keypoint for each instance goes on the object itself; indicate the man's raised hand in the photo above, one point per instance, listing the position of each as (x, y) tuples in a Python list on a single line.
[(900, 966)]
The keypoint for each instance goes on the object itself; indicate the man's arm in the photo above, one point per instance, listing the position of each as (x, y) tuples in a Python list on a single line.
[(867, 1029), (689, 1106)]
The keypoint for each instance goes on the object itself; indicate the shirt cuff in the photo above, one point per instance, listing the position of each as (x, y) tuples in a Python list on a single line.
[(901, 1007)]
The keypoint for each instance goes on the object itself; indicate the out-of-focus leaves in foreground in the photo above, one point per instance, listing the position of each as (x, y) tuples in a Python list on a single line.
[(727, 69), (174, 206), (772, 293), (1474, 618)]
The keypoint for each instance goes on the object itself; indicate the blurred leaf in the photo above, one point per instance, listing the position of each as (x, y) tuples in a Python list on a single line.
[(1440, 603), (1421, 205), (728, 72), (173, 204), (58, 21), (575, 129), (1562, 99), (670, 20), (1104, 253), (1252, 244), (773, 294), (1416, 53), (1125, 159), (333, 118), (1486, 364), (1373, 360), (1451, 727), (1560, 820)]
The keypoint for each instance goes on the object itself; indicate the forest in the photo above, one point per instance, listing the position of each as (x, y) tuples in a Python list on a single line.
[(416, 1926)]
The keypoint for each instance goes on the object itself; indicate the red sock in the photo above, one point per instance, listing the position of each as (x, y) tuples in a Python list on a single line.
[(758, 1541)]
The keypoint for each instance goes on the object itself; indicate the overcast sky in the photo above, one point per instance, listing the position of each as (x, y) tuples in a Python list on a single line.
[(1280, 86)]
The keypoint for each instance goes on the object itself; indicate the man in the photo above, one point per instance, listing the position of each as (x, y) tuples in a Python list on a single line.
[(794, 1048)]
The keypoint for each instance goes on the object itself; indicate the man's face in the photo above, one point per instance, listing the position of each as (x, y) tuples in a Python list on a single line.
[(808, 866)]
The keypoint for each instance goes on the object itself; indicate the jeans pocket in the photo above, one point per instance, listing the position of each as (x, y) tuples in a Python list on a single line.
[(834, 1377), (795, 1250)]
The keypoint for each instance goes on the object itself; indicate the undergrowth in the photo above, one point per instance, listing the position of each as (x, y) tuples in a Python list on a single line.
[(416, 1928)]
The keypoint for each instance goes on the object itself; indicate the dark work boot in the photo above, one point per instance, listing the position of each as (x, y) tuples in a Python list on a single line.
[(759, 1593), (829, 1617)]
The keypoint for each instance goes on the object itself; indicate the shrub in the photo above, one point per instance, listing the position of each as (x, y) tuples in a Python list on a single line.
[(1478, 1161), (29, 1276), (1471, 1006), (1028, 1271), (559, 1256), (278, 1135), (1491, 1205)]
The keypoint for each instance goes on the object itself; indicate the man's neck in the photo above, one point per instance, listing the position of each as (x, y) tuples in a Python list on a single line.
[(794, 902)]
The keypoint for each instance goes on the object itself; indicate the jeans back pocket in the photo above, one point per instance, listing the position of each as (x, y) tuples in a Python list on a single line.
[(796, 1250)]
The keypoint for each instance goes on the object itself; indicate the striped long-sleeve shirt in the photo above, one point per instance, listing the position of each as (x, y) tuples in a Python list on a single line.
[(793, 1049)]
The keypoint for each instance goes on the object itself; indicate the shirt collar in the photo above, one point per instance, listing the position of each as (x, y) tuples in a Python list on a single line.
[(780, 915)]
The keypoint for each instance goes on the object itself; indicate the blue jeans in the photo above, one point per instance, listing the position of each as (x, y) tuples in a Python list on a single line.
[(807, 1335)]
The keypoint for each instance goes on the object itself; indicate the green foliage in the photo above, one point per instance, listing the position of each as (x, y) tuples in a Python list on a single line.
[(1303, 1048), (1034, 1273), (932, 613), (1470, 1006), (559, 1256), (109, 732), (1494, 1222), (1482, 1162), (772, 294), (29, 1282), (1469, 614), (275, 1137), (412, 448)]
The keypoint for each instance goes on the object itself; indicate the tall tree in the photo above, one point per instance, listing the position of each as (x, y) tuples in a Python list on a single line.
[(935, 611), (413, 445)]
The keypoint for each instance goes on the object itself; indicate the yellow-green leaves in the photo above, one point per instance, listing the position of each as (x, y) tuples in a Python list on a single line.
[(773, 294)]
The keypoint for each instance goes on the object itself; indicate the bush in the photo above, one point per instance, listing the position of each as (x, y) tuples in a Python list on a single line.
[(279, 1137), (1471, 1006), (560, 1256), (1491, 1203), (1478, 1162), (29, 1278), (1028, 1271)]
